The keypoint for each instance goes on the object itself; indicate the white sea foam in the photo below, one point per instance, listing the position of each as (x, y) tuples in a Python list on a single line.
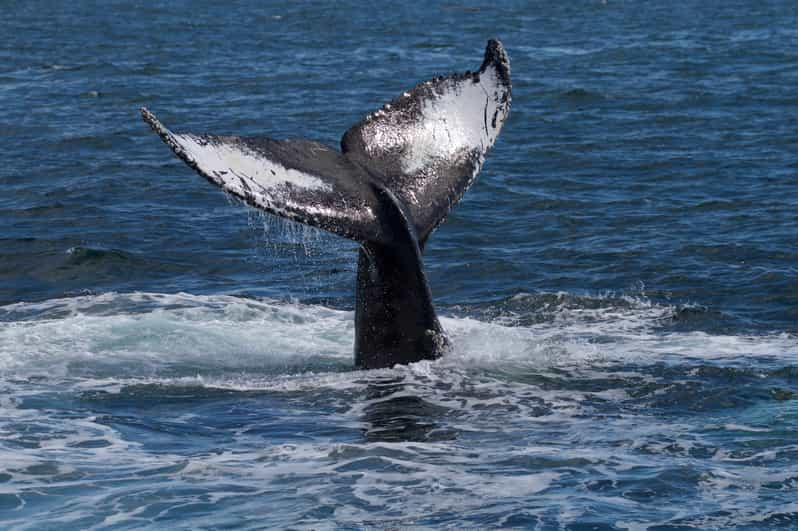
[(139, 334), (517, 419), (146, 335)]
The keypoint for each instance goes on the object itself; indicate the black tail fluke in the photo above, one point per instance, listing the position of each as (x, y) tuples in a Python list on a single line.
[(400, 172), (428, 144), (299, 180)]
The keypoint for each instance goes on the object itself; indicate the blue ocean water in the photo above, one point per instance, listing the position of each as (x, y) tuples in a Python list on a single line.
[(620, 284)]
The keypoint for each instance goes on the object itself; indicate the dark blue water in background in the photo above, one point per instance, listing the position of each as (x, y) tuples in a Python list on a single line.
[(620, 284)]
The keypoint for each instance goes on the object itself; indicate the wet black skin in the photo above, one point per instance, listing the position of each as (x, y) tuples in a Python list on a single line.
[(395, 322)]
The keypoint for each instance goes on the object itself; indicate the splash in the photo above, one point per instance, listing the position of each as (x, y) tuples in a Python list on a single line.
[(579, 403), (149, 335)]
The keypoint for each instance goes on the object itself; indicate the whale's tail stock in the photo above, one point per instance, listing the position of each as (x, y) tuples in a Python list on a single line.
[(398, 174)]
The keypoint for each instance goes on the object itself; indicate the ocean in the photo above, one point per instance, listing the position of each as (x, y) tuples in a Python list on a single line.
[(619, 285)]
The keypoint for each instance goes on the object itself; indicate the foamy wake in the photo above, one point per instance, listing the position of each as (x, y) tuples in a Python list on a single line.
[(244, 343), (526, 420)]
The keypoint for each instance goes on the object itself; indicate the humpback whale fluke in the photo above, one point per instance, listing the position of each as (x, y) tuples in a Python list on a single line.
[(399, 172)]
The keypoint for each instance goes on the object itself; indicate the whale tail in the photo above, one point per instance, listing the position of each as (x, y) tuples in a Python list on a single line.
[(397, 176)]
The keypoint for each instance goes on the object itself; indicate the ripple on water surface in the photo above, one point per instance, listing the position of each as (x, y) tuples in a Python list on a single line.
[(149, 407), (619, 284)]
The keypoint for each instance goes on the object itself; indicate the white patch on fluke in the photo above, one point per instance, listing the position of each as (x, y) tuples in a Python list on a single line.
[(230, 162), (458, 122)]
